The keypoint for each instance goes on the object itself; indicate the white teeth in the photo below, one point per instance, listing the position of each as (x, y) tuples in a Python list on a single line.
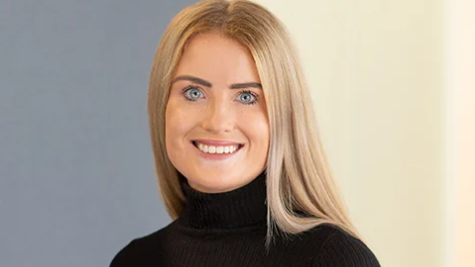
[(217, 149)]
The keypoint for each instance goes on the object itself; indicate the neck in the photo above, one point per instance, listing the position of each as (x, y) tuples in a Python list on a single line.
[(241, 207)]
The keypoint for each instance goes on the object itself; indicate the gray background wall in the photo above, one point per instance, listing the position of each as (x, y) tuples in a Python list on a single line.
[(77, 177)]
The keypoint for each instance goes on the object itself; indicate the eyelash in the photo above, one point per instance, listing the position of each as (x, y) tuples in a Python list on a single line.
[(183, 92)]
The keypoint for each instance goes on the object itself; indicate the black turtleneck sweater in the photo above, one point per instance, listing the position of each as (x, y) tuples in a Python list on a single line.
[(229, 229)]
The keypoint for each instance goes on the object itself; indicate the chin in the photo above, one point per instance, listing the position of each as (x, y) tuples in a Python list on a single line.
[(210, 186)]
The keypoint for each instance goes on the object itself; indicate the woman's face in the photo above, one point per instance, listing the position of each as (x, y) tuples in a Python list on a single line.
[(215, 97)]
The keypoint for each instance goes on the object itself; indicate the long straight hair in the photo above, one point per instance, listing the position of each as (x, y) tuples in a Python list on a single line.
[(301, 191)]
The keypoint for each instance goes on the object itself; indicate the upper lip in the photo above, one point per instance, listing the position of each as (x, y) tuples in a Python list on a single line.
[(216, 142)]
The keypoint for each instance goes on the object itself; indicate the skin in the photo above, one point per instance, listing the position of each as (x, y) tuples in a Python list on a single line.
[(217, 113)]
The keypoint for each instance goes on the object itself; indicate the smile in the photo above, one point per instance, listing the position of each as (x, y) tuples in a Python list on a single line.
[(217, 152)]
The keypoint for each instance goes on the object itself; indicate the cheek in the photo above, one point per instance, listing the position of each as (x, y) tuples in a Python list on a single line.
[(177, 124), (257, 130)]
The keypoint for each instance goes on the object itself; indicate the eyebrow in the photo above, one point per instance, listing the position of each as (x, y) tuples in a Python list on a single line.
[(208, 84)]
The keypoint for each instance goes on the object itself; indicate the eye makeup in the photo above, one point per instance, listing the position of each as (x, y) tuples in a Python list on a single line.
[(185, 90)]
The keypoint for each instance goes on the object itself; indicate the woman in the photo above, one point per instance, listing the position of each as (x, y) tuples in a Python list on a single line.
[(239, 163)]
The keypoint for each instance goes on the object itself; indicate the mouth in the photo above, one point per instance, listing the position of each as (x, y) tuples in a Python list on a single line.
[(239, 148)]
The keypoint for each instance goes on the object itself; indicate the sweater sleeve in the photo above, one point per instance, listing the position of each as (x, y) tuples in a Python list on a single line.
[(343, 250)]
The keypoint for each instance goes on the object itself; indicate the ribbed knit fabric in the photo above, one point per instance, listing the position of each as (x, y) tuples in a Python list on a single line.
[(229, 229)]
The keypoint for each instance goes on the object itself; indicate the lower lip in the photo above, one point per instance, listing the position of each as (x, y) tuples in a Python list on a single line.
[(216, 156)]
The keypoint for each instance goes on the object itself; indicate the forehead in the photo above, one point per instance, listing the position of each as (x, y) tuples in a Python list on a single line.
[(212, 55)]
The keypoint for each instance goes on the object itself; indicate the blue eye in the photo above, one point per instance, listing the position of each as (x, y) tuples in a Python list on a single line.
[(195, 93), (250, 96)]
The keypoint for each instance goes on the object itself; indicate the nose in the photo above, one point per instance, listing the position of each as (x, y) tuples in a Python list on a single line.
[(218, 118)]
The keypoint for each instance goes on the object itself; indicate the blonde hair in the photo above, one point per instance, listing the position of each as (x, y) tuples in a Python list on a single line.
[(301, 192)]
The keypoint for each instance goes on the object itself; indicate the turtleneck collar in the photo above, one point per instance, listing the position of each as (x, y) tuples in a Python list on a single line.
[(243, 206)]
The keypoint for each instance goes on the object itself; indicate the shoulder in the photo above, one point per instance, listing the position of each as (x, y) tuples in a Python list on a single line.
[(141, 250), (126, 255), (338, 248)]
